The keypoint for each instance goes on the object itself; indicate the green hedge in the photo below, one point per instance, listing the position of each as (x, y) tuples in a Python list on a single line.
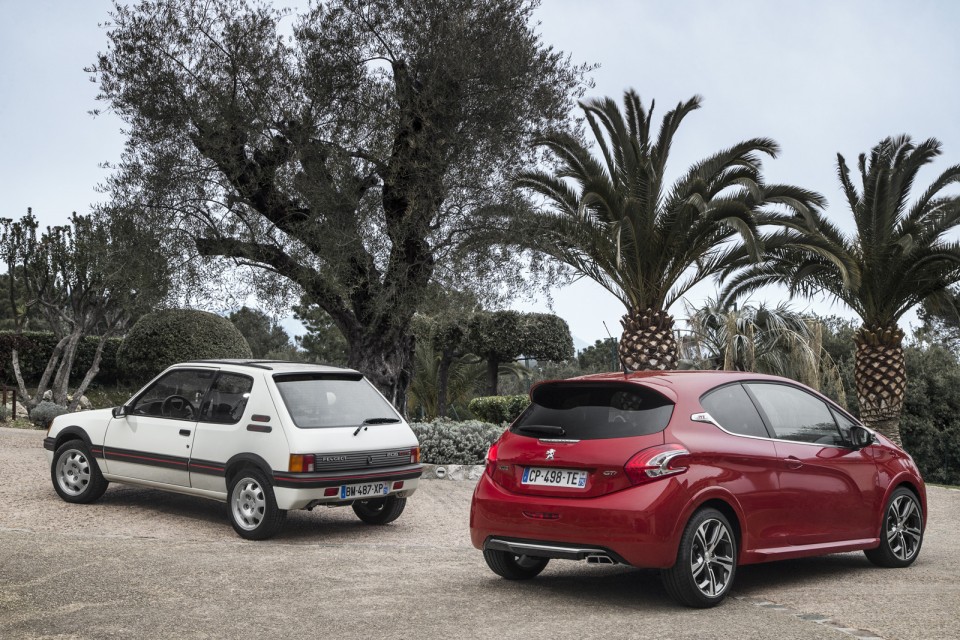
[(36, 347), (498, 409), (447, 442), (167, 337)]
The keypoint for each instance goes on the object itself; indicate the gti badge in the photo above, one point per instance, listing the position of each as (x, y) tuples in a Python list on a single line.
[(551, 453)]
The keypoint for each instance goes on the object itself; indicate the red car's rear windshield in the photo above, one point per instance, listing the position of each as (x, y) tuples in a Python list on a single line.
[(593, 411)]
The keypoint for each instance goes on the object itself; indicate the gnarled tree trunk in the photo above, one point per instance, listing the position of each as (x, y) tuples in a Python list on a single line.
[(388, 364), (881, 377), (647, 342)]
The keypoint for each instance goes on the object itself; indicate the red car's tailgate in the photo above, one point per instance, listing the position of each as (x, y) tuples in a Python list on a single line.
[(576, 436), (524, 460)]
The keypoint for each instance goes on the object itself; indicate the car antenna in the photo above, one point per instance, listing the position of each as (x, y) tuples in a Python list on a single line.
[(616, 352)]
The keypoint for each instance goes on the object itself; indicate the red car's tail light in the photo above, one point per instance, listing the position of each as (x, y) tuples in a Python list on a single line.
[(656, 462), (492, 458)]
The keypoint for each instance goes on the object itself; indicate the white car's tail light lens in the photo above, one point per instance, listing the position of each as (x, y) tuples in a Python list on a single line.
[(302, 463)]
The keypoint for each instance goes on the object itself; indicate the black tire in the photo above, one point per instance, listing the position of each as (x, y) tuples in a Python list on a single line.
[(75, 473), (901, 532), (513, 567), (381, 511), (252, 505), (709, 543)]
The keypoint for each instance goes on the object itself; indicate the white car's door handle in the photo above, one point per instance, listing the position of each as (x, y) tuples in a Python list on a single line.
[(185, 432)]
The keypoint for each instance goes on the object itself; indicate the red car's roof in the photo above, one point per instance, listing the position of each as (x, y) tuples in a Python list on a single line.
[(670, 383)]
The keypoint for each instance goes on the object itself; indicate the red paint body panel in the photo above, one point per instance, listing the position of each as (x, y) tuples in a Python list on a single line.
[(788, 499)]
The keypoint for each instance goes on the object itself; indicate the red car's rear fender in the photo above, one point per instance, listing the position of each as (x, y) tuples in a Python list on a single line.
[(720, 499)]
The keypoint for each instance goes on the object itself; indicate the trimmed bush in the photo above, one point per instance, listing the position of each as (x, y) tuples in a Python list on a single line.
[(46, 411), (167, 337), (35, 347), (498, 409), (447, 442)]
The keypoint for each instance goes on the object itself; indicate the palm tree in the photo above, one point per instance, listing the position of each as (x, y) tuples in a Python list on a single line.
[(897, 258), (774, 340), (614, 219)]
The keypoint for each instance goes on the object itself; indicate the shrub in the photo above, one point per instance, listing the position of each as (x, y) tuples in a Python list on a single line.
[(447, 442), (43, 413), (35, 347), (166, 337), (498, 409)]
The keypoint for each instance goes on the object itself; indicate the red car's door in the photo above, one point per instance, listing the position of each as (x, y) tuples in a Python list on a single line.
[(746, 459), (828, 490)]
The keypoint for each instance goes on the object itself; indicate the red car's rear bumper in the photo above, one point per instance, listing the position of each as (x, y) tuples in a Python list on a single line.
[(636, 524)]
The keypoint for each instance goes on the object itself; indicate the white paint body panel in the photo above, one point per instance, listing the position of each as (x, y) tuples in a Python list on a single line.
[(220, 443)]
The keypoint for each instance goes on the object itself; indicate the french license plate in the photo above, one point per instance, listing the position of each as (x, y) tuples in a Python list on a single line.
[(554, 477), (364, 491)]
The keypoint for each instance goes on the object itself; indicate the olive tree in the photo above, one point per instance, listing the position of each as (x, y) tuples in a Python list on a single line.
[(88, 277), (356, 151)]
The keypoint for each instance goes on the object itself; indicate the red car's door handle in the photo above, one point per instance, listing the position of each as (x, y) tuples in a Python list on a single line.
[(793, 463)]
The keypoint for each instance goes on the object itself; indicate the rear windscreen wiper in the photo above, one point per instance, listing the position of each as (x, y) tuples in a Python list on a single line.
[(548, 429), (375, 421)]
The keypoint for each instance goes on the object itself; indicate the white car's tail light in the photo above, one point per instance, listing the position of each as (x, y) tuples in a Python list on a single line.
[(302, 463)]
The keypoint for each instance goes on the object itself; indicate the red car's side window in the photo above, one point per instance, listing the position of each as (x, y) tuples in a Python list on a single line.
[(733, 410), (796, 415)]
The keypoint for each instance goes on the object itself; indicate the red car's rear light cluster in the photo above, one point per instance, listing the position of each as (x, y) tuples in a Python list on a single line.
[(656, 462), (492, 458)]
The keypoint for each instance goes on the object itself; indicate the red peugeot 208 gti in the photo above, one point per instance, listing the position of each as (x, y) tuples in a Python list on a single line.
[(694, 473)]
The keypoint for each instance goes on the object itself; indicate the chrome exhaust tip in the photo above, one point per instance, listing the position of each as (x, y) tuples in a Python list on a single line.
[(600, 559)]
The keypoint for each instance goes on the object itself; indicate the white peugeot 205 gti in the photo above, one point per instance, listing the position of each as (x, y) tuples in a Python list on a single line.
[(263, 436)]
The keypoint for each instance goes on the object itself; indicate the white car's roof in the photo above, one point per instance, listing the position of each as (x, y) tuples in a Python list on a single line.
[(280, 366)]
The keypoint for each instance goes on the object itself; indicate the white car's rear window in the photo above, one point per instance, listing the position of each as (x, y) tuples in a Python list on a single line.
[(322, 400)]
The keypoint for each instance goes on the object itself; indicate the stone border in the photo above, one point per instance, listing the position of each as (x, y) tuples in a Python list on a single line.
[(826, 621), (452, 471)]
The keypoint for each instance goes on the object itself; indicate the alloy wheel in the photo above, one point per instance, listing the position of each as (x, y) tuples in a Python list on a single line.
[(711, 558), (903, 527), (73, 472), (248, 503)]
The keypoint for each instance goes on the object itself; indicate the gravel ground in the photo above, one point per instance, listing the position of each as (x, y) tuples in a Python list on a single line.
[(147, 564)]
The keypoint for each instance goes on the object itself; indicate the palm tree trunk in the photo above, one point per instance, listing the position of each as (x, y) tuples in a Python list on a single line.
[(647, 343), (881, 377)]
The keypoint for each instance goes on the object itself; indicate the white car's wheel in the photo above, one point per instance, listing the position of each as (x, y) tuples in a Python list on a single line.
[(380, 511), (75, 474), (253, 507)]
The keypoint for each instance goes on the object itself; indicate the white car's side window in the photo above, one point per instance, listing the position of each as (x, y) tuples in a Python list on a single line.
[(227, 399), (176, 395)]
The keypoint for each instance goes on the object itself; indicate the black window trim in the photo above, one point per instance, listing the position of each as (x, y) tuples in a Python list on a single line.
[(831, 405)]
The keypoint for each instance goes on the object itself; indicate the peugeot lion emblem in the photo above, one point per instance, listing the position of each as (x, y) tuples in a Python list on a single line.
[(551, 453)]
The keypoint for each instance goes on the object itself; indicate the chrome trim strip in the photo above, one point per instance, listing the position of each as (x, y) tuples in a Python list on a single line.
[(707, 418), (520, 547), (557, 440)]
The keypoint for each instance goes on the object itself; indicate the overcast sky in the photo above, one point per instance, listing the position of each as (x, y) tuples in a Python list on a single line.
[(820, 77)]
